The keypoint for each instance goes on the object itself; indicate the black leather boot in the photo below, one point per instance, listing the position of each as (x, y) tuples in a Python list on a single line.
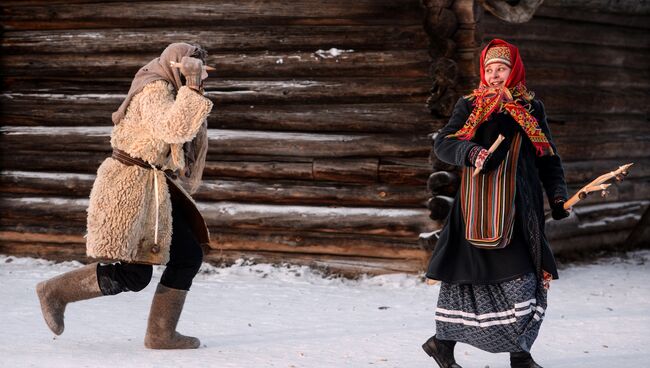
[(522, 360), (442, 351)]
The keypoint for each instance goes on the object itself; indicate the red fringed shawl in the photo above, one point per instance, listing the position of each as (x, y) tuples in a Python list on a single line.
[(512, 99)]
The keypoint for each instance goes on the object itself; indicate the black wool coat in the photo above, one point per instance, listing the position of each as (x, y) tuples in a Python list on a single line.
[(454, 259)]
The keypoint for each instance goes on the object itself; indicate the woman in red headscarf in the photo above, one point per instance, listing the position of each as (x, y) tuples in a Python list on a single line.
[(492, 257)]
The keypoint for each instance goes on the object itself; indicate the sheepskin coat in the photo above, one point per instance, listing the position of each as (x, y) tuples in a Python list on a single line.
[(122, 210)]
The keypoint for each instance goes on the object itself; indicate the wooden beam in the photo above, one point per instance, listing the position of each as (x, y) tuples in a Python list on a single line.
[(57, 14), (227, 38), (289, 64), (227, 142), (240, 91), (378, 195), (49, 212)]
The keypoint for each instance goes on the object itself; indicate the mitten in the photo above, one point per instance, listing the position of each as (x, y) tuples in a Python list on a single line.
[(193, 71), (557, 209)]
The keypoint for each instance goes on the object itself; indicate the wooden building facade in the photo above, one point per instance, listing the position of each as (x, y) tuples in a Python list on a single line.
[(319, 139)]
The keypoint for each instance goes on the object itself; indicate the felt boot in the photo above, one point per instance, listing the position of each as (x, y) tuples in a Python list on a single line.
[(165, 312), (54, 294)]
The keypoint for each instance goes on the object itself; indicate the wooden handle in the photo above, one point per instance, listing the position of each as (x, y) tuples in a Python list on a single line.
[(492, 148)]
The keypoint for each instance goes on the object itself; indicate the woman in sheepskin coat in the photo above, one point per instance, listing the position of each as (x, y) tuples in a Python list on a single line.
[(138, 215)]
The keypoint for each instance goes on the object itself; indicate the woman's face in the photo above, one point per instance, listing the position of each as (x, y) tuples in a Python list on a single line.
[(496, 74)]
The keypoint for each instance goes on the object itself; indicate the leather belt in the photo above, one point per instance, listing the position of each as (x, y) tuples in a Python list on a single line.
[(129, 160)]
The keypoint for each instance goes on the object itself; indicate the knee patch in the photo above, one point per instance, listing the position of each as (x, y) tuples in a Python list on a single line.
[(137, 276), (119, 277)]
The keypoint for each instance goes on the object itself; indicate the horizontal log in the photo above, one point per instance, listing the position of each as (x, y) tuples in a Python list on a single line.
[(264, 170), (401, 171), (329, 118), (44, 109), (351, 267), (51, 251), (354, 170), (346, 266), (69, 161), (314, 145), (317, 244), (342, 245), (582, 16), (603, 6), (592, 100), (227, 38), (226, 142), (248, 92), (579, 76), (387, 63), (554, 30), (95, 14), (621, 147), (598, 218), (568, 53), (79, 185), (588, 245), (582, 172), (224, 166), (565, 125), (398, 223)]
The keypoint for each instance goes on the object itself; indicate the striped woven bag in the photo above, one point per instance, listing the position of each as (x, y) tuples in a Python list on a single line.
[(488, 201)]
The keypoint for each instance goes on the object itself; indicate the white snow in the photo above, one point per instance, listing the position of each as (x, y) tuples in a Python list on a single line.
[(266, 316), (61, 96), (101, 131), (331, 53)]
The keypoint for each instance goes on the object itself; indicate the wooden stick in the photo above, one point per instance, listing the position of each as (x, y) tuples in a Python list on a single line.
[(174, 64), (597, 184), (492, 148)]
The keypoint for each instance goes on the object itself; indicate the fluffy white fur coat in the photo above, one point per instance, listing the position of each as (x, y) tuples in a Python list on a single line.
[(122, 210)]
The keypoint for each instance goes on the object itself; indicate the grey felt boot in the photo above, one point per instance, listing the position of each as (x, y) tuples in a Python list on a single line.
[(165, 312), (55, 293)]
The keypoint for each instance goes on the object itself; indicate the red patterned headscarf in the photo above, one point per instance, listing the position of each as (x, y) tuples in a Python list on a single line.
[(512, 99)]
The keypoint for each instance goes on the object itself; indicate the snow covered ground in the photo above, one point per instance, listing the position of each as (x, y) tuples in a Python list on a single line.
[(265, 316)]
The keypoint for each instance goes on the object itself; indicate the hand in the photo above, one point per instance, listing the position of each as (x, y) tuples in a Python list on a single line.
[(557, 209), (482, 159), (476, 156), (193, 71)]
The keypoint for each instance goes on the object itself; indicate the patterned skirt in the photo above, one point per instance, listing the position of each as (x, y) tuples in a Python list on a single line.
[(497, 318)]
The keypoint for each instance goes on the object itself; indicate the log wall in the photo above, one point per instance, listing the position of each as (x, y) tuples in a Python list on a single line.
[(318, 138)]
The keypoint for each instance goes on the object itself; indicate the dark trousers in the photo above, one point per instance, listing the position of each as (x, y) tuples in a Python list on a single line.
[(185, 260)]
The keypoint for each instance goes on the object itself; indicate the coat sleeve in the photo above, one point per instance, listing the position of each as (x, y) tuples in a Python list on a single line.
[(453, 150), (174, 120), (549, 167)]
